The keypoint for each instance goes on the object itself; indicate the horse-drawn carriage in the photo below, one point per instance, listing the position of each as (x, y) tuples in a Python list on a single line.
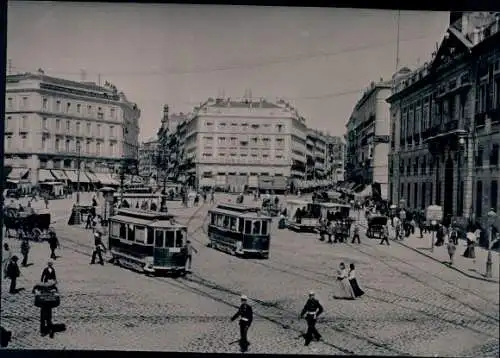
[(376, 226), (33, 226)]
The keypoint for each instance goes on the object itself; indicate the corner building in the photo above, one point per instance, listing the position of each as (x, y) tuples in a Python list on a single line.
[(231, 142), (51, 124), (445, 123)]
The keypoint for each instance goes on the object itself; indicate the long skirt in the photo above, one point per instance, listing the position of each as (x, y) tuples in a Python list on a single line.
[(358, 292), (470, 252), (346, 289)]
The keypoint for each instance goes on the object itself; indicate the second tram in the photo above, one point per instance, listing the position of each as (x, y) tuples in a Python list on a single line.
[(240, 230)]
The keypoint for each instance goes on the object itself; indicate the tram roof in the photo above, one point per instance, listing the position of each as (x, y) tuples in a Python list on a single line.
[(334, 205), (238, 208), (247, 215), (145, 214)]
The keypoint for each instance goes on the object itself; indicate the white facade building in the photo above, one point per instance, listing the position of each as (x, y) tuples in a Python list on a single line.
[(53, 123)]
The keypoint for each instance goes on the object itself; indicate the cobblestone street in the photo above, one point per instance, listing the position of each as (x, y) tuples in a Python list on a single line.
[(413, 305)]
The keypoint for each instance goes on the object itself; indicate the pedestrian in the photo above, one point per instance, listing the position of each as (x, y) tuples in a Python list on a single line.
[(212, 197), (453, 236), (46, 295), (88, 224), (53, 244), (330, 230), (25, 249), (385, 235), (98, 248), (312, 309), (345, 286), (451, 249), (6, 256), (245, 314), (46, 201), (358, 292), (470, 252), (189, 254), (49, 273), (12, 272), (355, 237)]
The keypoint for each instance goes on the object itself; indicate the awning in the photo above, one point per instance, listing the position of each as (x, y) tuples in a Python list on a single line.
[(105, 179), (45, 175), (19, 173), (365, 192), (73, 176), (59, 174), (92, 177)]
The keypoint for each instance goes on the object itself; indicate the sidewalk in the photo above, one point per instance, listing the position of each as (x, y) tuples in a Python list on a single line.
[(471, 268)]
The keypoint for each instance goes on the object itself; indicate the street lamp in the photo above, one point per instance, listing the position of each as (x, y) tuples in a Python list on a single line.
[(78, 164), (492, 215), (460, 193)]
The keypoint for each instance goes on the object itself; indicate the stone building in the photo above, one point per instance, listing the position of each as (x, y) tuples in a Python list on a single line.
[(445, 123), (52, 124), (368, 138)]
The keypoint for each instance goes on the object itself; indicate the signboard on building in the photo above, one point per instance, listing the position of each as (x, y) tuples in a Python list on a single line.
[(434, 213), (381, 139)]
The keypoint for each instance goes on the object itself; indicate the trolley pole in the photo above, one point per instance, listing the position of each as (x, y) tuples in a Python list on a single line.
[(122, 181)]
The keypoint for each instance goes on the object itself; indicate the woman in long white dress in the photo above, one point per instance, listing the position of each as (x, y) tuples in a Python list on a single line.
[(344, 284)]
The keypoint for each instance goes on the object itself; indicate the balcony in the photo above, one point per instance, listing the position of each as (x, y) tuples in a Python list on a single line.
[(445, 134)]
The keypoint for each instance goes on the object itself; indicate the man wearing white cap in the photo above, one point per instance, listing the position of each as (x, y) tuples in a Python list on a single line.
[(245, 314), (312, 309)]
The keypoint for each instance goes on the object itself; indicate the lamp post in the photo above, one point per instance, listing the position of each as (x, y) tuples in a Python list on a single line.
[(78, 164), (460, 193), (492, 215)]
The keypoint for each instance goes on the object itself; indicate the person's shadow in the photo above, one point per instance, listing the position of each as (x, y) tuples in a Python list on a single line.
[(19, 290), (28, 265)]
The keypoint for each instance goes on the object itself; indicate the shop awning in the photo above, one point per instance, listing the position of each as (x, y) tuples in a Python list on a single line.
[(73, 176), (19, 173), (59, 174), (45, 175), (105, 179), (92, 177)]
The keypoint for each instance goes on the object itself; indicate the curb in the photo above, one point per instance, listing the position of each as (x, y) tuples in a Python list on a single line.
[(451, 267)]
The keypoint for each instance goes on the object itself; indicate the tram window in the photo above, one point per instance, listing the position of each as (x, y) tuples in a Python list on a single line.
[(115, 229), (179, 238), (159, 238), (140, 234), (241, 224), (169, 238), (264, 228), (131, 233), (212, 219), (225, 222), (248, 227), (123, 231), (150, 237), (220, 220), (256, 228), (232, 224)]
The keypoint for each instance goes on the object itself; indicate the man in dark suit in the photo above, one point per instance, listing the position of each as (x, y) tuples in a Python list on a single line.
[(312, 309), (48, 273)]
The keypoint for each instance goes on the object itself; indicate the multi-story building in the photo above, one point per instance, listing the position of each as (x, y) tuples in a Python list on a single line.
[(445, 123), (53, 124), (316, 155), (368, 138), (335, 158), (148, 155), (230, 143)]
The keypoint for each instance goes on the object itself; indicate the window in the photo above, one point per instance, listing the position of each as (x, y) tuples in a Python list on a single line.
[(44, 123), (87, 147), (479, 157), (248, 227), (150, 236), (115, 229), (112, 113), (66, 146), (264, 228), (494, 155), (241, 224), (169, 238), (140, 234), (111, 131), (179, 238), (78, 108), (58, 106), (58, 125), (24, 123), (89, 110), (45, 103), (58, 143), (8, 125), (98, 148), (89, 128), (24, 102), (10, 103), (112, 149), (68, 107), (256, 228), (98, 134), (479, 199), (8, 142), (494, 195), (123, 231), (68, 126), (422, 193), (100, 114), (130, 232), (279, 127), (77, 127), (24, 142), (44, 144)]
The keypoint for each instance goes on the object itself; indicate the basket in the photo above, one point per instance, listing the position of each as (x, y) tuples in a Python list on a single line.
[(47, 300)]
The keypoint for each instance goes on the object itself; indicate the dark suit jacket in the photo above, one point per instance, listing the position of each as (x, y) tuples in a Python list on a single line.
[(48, 275)]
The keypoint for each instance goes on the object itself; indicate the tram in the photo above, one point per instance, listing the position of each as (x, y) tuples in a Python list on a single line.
[(299, 216), (151, 201), (148, 242), (239, 230)]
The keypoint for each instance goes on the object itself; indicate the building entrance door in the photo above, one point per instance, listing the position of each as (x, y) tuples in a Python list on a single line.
[(448, 188)]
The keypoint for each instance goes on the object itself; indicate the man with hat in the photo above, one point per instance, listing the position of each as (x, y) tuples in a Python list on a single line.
[(245, 314), (311, 310), (49, 273), (98, 248), (12, 272)]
